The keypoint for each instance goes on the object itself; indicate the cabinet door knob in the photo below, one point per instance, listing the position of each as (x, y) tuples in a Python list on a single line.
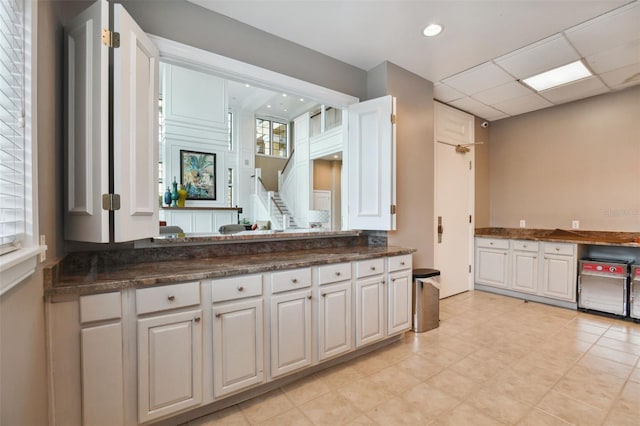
[(338, 273), (401, 263), (383, 282), (240, 288), (557, 248), (294, 280), (525, 246), (309, 297), (171, 298), (197, 319), (373, 268), (218, 314), (490, 244), (324, 294)]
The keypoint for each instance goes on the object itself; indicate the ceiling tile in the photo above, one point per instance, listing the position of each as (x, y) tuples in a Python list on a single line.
[(444, 93), (607, 31), (615, 58), (570, 92), (523, 104), (478, 79), (511, 90), (542, 56), (478, 109), (622, 77)]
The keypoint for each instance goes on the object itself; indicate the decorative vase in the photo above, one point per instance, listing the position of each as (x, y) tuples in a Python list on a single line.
[(167, 197), (174, 193), (182, 196)]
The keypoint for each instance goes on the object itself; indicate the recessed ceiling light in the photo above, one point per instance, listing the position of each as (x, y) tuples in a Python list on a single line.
[(247, 85), (558, 76), (268, 106), (285, 110), (335, 156), (432, 30), (301, 100), (284, 95)]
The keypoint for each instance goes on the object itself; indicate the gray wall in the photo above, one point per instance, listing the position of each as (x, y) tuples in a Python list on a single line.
[(415, 157), (577, 161)]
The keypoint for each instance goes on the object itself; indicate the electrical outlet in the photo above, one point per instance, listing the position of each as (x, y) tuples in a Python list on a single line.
[(43, 242), (575, 224), (523, 223)]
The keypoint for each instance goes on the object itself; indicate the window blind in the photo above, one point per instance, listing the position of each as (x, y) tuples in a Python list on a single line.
[(12, 119)]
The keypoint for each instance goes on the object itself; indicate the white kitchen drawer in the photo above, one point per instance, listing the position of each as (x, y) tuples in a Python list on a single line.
[(290, 280), (398, 263), (525, 245), (334, 273), (366, 268), (559, 248), (100, 307), (236, 287), (497, 243), (167, 297)]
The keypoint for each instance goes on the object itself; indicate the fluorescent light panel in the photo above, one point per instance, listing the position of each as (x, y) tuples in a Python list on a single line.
[(558, 76)]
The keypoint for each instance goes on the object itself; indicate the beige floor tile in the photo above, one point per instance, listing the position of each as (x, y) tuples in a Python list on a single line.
[(306, 389), (622, 346), (477, 369), (540, 418), (330, 409), (339, 376), (466, 415), (264, 407), (598, 390), (499, 406), (394, 379), (613, 355), (635, 375), (440, 355), (420, 367), (594, 363), (365, 394), (631, 394), (430, 401), (231, 416), (369, 364), (396, 411), (453, 383), (524, 388), (570, 410), (293, 417), (362, 420)]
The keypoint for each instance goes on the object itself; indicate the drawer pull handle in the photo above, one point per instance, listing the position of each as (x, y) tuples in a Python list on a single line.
[(197, 319), (171, 298), (402, 263), (557, 248), (294, 280), (309, 297), (324, 294), (490, 244), (383, 282), (373, 268), (338, 273), (218, 314), (525, 246), (240, 288)]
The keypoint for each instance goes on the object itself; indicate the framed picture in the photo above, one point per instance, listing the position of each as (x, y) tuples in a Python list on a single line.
[(198, 174)]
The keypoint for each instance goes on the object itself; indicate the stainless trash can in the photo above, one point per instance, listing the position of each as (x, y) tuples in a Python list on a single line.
[(426, 300)]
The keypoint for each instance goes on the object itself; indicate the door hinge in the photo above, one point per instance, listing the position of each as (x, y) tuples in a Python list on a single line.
[(393, 209), (470, 219), (110, 38), (470, 166), (469, 268), (393, 119), (110, 202)]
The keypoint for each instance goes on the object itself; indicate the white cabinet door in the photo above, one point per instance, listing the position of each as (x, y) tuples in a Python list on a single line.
[(237, 346), (559, 277), (399, 302), (102, 375), (334, 320), (369, 310), (169, 364), (525, 267), (491, 267), (134, 153), (290, 331), (371, 165)]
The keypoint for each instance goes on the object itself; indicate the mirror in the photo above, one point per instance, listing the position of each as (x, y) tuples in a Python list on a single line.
[(232, 144)]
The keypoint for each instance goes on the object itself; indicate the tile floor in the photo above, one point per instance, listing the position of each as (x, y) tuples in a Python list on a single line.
[(494, 360)]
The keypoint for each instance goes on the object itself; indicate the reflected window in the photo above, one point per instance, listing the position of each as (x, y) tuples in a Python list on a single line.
[(272, 138)]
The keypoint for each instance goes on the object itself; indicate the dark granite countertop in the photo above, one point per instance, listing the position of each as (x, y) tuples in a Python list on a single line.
[(117, 276), (576, 236)]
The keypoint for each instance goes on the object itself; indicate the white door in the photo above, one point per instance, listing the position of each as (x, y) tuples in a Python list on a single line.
[(399, 302), (369, 310), (334, 320), (322, 201), (135, 152), (454, 192), (169, 364), (371, 160), (135, 147), (237, 346), (290, 332)]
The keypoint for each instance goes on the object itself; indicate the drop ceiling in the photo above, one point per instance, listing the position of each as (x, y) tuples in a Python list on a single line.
[(485, 49)]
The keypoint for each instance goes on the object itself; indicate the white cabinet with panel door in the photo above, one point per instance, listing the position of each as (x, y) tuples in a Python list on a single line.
[(238, 348), (169, 350), (559, 276), (290, 321), (492, 262), (525, 265), (370, 308), (399, 294), (334, 316)]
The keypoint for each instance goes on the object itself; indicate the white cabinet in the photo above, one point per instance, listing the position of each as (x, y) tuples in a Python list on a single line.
[(492, 261), (290, 325), (559, 271), (399, 295), (334, 320), (525, 265), (238, 348), (370, 306), (102, 360), (132, 151)]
